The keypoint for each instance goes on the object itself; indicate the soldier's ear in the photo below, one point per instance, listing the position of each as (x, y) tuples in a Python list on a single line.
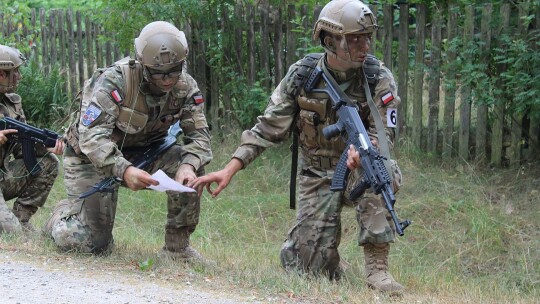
[(330, 43)]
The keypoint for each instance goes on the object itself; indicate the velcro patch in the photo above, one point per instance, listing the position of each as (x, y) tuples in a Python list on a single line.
[(198, 99), (91, 114), (386, 98), (116, 96)]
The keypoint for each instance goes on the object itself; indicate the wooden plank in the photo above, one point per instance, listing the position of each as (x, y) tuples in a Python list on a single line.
[(482, 108), (450, 85), (465, 90), (417, 117), (89, 34), (35, 49), (53, 37), (71, 54), (291, 55), (44, 40), (265, 45), (403, 68), (534, 127), (434, 82), (99, 48), (388, 13), (497, 135), (80, 50), (278, 47), (62, 40), (239, 41), (516, 146), (251, 45)]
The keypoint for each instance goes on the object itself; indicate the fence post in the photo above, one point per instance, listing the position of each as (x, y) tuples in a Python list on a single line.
[(482, 108), (388, 11), (434, 81), (418, 88), (44, 40), (450, 85), (497, 142), (71, 54), (403, 67), (465, 90), (291, 36), (534, 128)]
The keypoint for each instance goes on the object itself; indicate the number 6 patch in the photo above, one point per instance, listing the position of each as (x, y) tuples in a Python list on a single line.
[(391, 117)]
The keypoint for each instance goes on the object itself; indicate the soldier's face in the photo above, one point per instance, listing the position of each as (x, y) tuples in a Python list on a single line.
[(165, 80), (358, 46), (9, 80)]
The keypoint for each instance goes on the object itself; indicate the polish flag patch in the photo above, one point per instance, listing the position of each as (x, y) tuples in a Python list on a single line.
[(386, 98), (198, 99), (116, 96)]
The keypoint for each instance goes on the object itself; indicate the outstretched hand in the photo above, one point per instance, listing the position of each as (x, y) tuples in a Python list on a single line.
[(222, 178)]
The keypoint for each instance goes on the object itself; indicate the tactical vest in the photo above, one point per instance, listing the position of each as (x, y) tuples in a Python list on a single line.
[(315, 113), (133, 114)]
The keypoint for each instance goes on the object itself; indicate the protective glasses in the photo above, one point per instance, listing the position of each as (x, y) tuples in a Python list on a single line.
[(161, 75)]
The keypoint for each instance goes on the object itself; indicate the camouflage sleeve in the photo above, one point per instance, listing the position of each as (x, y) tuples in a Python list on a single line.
[(99, 113), (273, 125), (387, 100), (196, 150)]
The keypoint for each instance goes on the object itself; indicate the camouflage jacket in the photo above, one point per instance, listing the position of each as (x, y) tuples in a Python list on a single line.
[(103, 133), (312, 112)]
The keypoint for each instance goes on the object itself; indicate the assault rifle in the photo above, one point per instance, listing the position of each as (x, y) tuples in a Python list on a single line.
[(28, 135), (145, 157), (351, 128)]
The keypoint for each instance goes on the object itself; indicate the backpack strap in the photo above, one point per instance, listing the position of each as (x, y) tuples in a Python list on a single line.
[(307, 65), (372, 67)]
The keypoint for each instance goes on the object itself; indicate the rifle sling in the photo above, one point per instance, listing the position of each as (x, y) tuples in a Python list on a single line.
[(381, 136)]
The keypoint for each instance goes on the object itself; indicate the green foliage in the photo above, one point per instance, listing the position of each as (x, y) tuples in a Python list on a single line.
[(146, 265), (45, 101), (521, 58)]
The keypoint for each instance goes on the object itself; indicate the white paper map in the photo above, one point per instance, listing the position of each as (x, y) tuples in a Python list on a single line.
[(168, 184)]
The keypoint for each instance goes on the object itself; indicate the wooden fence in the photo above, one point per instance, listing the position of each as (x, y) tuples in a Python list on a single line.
[(443, 119)]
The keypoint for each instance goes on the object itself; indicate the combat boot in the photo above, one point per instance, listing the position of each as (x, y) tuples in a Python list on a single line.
[(23, 214), (177, 246), (378, 277)]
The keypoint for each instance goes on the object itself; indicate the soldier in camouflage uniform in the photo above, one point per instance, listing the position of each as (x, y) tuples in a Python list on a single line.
[(30, 191), (133, 104), (344, 29)]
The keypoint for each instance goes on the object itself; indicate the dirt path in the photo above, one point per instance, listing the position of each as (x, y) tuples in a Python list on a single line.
[(25, 280)]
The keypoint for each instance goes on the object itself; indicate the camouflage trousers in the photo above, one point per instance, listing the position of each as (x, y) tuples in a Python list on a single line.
[(29, 191), (86, 224), (312, 243)]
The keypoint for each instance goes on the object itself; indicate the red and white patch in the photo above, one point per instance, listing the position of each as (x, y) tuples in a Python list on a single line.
[(386, 98), (116, 96), (198, 99)]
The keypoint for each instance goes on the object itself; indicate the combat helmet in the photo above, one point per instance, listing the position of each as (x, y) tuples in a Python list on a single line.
[(344, 17), (161, 46), (10, 59)]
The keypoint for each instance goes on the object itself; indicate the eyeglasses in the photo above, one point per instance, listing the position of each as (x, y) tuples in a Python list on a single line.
[(160, 75)]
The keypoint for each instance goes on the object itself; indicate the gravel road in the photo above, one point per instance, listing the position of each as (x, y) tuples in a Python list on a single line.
[(37, 282)]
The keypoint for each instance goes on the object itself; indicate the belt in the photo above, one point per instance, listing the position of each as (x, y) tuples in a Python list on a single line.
[(322, 162)]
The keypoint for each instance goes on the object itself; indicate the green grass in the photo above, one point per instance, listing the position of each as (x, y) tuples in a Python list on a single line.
[(474, 236)]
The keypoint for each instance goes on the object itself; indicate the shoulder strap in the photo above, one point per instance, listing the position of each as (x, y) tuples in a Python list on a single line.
[(307, 65), (132, 73), (372, 67)]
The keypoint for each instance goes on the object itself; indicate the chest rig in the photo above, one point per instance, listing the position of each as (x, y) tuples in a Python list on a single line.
[(133, 114), (313, 114)]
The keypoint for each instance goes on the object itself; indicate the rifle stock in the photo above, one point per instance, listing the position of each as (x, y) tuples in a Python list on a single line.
[(351, 128), (28, 135)]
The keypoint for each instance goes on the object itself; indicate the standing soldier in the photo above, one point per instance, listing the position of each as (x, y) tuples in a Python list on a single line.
[(133, 104), (344, 29), (30, 190)]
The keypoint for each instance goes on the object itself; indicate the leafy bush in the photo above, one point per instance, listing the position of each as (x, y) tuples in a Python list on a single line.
[(45, 101)]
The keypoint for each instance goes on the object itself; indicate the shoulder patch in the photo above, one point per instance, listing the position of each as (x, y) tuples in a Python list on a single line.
[(387, 97), (90, 115), (116, 96), (198, 99)]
